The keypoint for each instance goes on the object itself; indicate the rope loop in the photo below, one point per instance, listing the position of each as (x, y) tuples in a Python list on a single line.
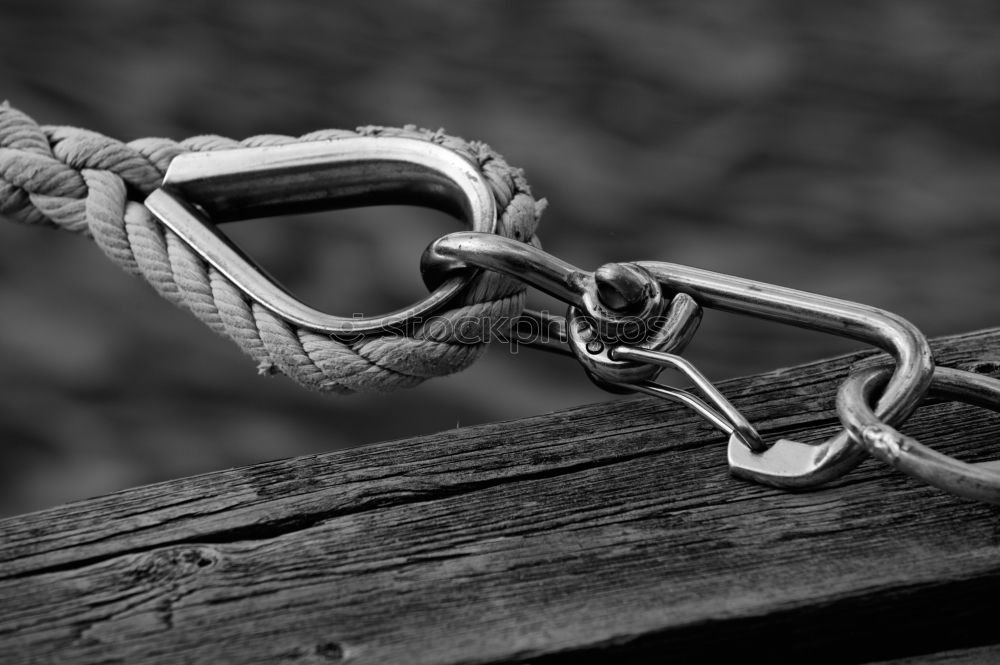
[(88, 183)]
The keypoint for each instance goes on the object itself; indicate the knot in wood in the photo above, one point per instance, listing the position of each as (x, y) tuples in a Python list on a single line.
[(166, 565)]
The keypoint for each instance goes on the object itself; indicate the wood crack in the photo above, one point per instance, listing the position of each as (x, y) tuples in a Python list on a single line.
[(283, 527)]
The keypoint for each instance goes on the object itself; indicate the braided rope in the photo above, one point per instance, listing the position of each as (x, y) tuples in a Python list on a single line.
[(85, 182)]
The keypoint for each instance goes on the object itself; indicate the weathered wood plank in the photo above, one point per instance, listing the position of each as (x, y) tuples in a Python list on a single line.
[(609, 531), (973, 656)]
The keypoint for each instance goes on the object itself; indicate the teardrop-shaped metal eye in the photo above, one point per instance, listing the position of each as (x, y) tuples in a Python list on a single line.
[(202, 190)]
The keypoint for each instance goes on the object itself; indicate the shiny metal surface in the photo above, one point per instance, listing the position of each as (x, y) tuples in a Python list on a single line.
[(683, 318), (594, 347), (724, 416), (786, 463), (464, 250), (980, 482), (790, 463), (612, 298), (203, 189), (592, 322)]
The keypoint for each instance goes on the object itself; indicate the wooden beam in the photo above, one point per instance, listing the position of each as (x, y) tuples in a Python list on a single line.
[(605, 533)]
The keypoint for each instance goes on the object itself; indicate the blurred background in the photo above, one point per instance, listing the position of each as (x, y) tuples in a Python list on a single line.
[(849, 149)]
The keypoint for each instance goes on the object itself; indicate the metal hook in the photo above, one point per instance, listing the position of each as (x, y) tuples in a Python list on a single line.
[(786, 463)]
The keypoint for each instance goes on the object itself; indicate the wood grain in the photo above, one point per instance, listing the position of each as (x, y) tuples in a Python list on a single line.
[(605, 533), (842, 148)]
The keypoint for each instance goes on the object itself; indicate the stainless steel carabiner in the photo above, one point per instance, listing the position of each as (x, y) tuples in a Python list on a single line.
[(786, 463)]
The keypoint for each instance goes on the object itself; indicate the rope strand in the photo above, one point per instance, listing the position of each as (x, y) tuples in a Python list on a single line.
[(88, 183)]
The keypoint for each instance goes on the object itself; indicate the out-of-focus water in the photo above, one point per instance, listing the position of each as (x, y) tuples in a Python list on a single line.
[(848, 150)]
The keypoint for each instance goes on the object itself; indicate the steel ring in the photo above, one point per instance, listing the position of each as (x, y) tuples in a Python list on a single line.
[(980, 482)]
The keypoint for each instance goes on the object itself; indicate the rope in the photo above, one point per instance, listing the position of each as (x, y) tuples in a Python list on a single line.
[(85, 182)]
